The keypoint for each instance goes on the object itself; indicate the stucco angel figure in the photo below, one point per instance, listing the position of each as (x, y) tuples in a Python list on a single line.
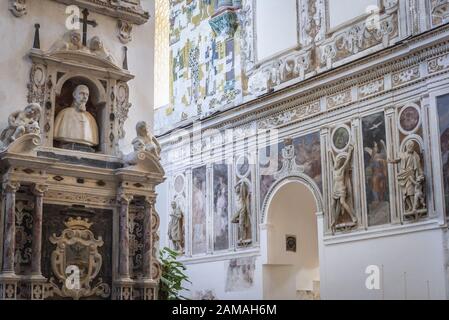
[(176, 227), (20, 123), (342, 187), (243, 215), (145, 141), (411, 180), (71, 41), (96, 47)]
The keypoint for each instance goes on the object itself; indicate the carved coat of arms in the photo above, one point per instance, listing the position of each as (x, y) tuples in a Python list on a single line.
[(76, 262)]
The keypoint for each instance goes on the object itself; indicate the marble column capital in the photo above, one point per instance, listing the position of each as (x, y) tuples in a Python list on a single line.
[(125, 198), (11, 186), (39, 189)]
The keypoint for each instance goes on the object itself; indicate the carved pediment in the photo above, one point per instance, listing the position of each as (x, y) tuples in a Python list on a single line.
[(70, 48), (128, 10)]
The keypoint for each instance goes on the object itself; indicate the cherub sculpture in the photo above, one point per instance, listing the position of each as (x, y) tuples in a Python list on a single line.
[(20, 123), (145, 141), (96, 47)]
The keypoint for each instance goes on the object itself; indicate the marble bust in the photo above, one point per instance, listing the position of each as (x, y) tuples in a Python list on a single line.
[(74, 125)]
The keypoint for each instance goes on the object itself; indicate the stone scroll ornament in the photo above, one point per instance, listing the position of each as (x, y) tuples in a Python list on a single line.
[(342, 191), (242, 217), (21, 123), (411, 181), (77, 249)]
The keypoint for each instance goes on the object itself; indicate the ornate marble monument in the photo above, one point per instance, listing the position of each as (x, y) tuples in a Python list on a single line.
[(78, 218)]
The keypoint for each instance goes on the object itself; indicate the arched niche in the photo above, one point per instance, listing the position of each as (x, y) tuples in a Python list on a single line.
[(95, 106), (290, 242), (54, 75)]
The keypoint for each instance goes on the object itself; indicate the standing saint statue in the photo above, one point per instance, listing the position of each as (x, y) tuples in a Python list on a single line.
[(74, 125), (342, 188), (243, 215), (176, 227), (411, 180)]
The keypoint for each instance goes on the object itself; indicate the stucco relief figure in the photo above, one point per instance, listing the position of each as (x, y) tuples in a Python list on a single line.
[(243, 215), (20, 123), (71, 41), (145, 141), (176, 227), (411, 180), (342, 190), (97, 48), (18, 7), (74, 125)]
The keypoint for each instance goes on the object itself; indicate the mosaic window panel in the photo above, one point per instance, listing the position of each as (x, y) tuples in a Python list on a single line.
[(199, 209), (376, 169), (221, 211), (443, 113)]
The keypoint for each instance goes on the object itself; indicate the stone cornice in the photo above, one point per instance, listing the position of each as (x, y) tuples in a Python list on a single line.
[(409, 52), (117, 9)]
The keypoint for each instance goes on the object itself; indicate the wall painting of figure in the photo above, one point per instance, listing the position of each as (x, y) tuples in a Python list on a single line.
[(443, 113), (376, 169), (199, 201), (221, 214)]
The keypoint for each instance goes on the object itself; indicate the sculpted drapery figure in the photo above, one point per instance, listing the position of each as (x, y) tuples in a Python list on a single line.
[(243, 215), (20, 123), (411, 180), (145, 141), (342, 188), (75, 124), (176, 227)]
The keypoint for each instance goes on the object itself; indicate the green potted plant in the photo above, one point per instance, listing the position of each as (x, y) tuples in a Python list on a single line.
[(172, 277)]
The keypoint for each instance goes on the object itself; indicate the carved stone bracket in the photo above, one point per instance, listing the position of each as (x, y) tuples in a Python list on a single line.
[(124, 31)]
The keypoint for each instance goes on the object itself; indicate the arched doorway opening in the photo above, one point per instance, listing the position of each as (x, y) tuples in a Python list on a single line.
[(290, 238)]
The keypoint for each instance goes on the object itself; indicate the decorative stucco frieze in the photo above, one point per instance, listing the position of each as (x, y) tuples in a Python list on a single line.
[(127, 10), (439, 12), (359, 37), (371, 88), (438, 64), (290, 116), (312, 21), (293, 65), (405, 76), (339, 99)]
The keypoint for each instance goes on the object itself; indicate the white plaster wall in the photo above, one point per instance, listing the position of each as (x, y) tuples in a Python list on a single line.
[(417, 257), (276, 27), (343, 11), (293, 212), (17, 39), (212, 276)]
